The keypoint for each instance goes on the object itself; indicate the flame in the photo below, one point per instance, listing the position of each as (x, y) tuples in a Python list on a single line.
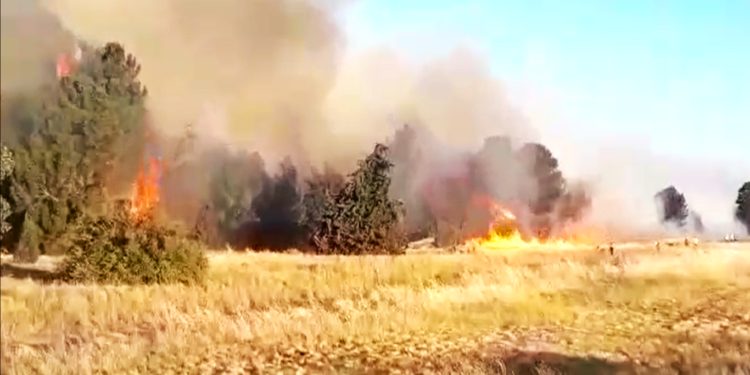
[(145, 196), (63, 67), (503, 234)]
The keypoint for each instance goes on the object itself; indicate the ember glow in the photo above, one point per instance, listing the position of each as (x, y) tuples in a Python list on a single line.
[(145, 196)]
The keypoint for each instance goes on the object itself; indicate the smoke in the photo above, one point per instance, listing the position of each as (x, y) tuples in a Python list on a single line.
[(30, 40), (458, 192), (623, 178), (265, 66), (272, 76)]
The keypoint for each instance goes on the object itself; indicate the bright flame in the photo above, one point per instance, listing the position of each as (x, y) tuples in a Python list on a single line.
[(504, 235), (145, 194), (63, 67)]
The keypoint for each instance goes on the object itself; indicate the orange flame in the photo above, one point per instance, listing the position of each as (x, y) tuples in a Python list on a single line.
[(503, 234), (145, 196), (63, 67)]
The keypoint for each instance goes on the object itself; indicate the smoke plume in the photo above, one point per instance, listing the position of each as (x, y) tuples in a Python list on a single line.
[(30, 40), (272, 77)]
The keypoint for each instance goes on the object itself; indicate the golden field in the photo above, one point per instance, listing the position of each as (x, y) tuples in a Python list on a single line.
[(530, 311)]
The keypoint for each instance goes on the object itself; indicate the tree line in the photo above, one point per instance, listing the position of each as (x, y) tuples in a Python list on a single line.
[(68, 145)]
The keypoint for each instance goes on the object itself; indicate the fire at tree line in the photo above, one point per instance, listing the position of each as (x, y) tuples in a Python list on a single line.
[(66, 145)]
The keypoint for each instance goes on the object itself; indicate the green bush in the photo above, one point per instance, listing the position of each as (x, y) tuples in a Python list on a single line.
[(361, 218), (114, 249)]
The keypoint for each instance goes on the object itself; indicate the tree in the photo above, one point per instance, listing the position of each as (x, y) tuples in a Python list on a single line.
[(672, 206), (321, 190), (6, 170), (277, 210), (742, 210), (362, 218), (235, 182), (87, 125), (546, 185)]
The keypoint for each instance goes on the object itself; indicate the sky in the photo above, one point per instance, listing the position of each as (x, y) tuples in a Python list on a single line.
[(673, 75)]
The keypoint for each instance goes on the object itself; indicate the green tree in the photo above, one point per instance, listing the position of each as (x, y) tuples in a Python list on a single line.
[(742, 210), (362, 218), (86, 128)]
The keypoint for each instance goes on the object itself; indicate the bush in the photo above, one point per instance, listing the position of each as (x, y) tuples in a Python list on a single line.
[(114, 249)]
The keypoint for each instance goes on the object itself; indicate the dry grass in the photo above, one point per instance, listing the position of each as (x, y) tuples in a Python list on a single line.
[(677, 309)]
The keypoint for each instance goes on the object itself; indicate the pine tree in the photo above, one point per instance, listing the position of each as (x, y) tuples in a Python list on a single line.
[(86, 126), (362, 218)]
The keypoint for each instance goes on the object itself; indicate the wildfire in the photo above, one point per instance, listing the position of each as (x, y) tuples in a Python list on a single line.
[(67, 62), (145, 194), (504, 235)]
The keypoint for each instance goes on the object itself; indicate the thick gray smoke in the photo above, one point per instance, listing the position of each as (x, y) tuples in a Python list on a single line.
[(271, 76), (460, 192), (30, 39)]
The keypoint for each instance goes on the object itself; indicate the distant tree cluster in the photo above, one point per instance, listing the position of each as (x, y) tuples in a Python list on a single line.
[(742, 208), (674, 209), (329, 214), (452, 199), (672, 206)]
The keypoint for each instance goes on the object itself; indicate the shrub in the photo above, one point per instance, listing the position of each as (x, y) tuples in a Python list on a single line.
[(114, 249)]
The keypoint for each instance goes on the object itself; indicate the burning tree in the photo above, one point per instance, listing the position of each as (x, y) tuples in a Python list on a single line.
[(742, 210), (672, 206), (78, 131), (146, 195), (546, 185), (362, 218)]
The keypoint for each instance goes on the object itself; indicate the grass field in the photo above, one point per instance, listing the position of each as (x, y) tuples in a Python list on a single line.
[(640, 311)]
